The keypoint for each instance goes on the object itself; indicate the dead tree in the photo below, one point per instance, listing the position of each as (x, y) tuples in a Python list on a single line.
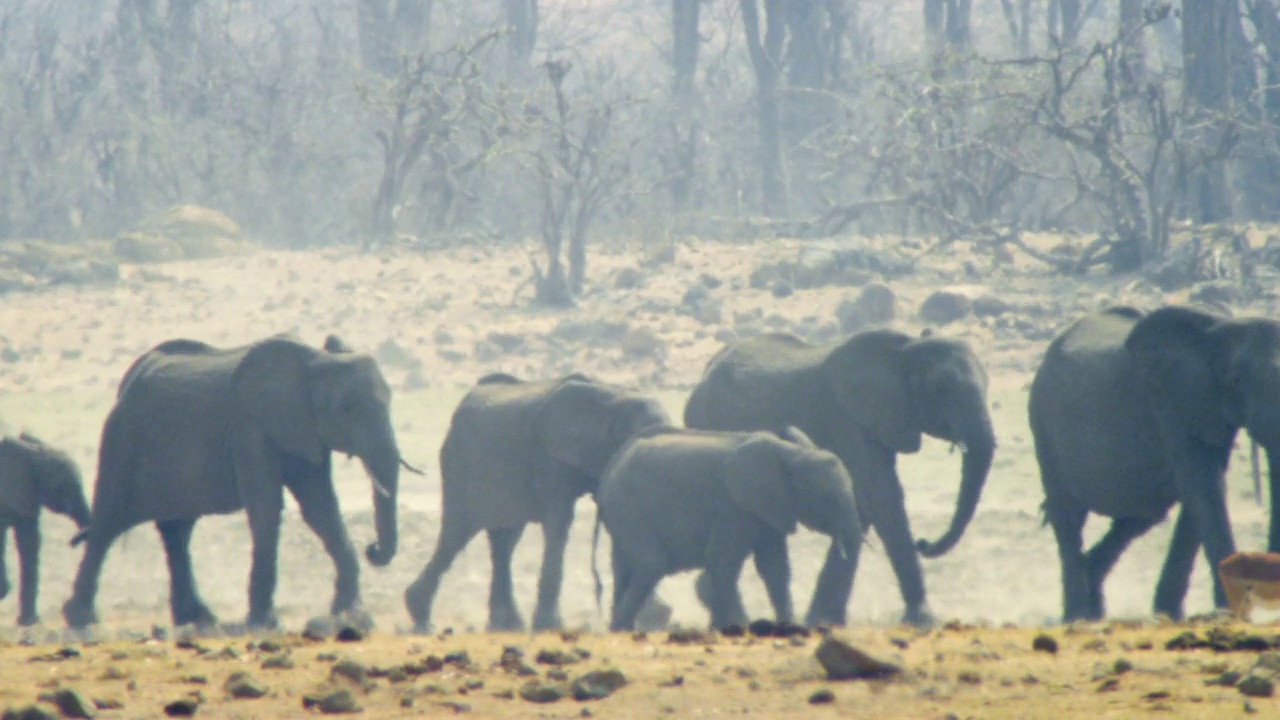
[(766, 60)]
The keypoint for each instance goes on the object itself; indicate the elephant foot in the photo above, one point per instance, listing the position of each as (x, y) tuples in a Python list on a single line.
[(822, 618), (196, 614), (79, 615), (418, 606), (355, 616), (4, 587), (920, 617), (28, 619), (654, 615), (264, 620)]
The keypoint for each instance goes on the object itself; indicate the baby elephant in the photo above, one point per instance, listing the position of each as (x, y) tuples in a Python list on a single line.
[(676, 499), (34, 475)]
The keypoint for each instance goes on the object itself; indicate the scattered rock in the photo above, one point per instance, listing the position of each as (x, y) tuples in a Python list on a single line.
[(30, 712), (875, 305), (242, 686), (281, 661), (107, 704), (598, 684), (763, 627), (844, 661), (184, 707), (990, 306), (690, 636), (536, 691), (71, 703), (391, 354), (711, 281), (332, 703), (556, 657), (945, 306), (782, 289), (1256, 686), (351, 670), (350, 633), (1045, 643), (642, 342), (506, 341), (319, 628), (822, 696), (628, 279)]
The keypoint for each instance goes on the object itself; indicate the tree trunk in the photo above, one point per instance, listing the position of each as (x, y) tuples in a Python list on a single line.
[(685, 42), (684, 46), (412, 22), (946, 24), (375, 35), (958, 12), (1133, 61), (765, 55), (1064, 21), (805, 62), (522, 22), (1206, 53)]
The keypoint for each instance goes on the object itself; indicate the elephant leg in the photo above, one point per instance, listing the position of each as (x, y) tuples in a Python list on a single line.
[(638, 586), (555, 528), (264, 526), (319, 505), (78, 610), (4, 571), (1067, 518), (889, 517), (454, 536), (185, 604), (27, 534), (1198, 472), (621, 582), (726, 553), (1175, 577), (774, 566), (1103, 556), (504, 616)]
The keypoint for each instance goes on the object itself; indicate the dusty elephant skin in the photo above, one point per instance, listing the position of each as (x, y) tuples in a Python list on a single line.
[(676, 499), (34, 476), (198, 430), (865, 400), (520, 452), (1133, 412)]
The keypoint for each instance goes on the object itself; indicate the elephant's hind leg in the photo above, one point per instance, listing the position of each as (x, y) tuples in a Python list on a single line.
[(319, 506), (1104, 554), (1067, 517), (503, 613), (555, 530), (1171, 590), (418, 597), (78, 610), (185, 604)]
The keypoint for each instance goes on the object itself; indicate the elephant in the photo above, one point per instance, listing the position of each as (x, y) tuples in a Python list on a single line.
[(34, 475), (518, 452), (1132, 412), (866, 399), (198, 430), (676, 499)]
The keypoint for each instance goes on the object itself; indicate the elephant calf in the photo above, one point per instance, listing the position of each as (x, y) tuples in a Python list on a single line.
[(520, 452), (677, 499), (34, 476)]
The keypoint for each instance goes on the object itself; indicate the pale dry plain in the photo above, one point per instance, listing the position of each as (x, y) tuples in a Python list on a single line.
[(430, 316)]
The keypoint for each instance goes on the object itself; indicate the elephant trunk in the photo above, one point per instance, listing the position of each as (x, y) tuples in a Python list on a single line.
[(979, 448), (384, 469), (1273, 481)]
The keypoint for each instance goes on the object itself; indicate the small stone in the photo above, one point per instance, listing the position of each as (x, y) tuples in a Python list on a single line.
[(320, 628), (278, 662), (945, 306), (70, 703), (351, 670), (242, 686), (598, 684), (333, 703), (689, 636), (270, 646), (1227, 678), (107, 704), (540, 692), (1045, 643), (733, 630), (350, 633), (844, 661), (762, 627), (874, 305), (30, 712), (185, 707), (556, 657), (1122, 666), (822, 696), (783, 289), (628, 279), (1256, 686)]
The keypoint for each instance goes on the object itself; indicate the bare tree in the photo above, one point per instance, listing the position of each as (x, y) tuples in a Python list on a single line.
[(522, 24), (1206, 38), (1019, 23), (766, 59), (946, 24), (389, 29)]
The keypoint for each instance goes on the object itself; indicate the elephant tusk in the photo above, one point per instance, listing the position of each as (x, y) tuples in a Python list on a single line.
[(381, 489), (959, 445), (410, 468), (841, 551)]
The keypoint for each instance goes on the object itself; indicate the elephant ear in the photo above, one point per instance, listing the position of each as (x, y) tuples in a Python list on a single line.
[(18, 493), (1182, 360), (794, 434), (276, 387), (576, 423), (759, 481), (870, 382)]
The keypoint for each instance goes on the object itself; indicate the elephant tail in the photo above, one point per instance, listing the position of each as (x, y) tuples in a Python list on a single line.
[(595, 571), (1255, 467)]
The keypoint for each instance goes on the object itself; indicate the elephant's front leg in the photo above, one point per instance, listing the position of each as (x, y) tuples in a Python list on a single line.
[(27, 533), (319, 505), (774, 568), (889, 517), (185, 604), (1175, 577), (504, 616), (555, 527), (729, 546), (264, 525), (4, 571)]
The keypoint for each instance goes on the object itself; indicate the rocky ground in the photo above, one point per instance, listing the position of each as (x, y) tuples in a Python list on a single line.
[(654, 312)]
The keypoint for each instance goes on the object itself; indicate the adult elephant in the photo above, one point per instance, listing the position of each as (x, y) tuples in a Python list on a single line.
[(1133, 412), (33, 476), (866, 400), (198, 430), (521, 452)]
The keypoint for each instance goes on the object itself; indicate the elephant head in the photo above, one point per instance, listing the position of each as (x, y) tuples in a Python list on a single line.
[(583, 423), (34, 475), (309, 402), (788, 480), (1208, 377), (894, 388)]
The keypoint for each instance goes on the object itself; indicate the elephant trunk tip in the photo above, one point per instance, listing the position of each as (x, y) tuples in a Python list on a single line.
[(380, 555)]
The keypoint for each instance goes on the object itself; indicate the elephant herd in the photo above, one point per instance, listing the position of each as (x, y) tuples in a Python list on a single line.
[(1131, 412)]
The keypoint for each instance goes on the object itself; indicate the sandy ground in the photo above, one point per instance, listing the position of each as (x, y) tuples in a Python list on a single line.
[(439, 319)]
